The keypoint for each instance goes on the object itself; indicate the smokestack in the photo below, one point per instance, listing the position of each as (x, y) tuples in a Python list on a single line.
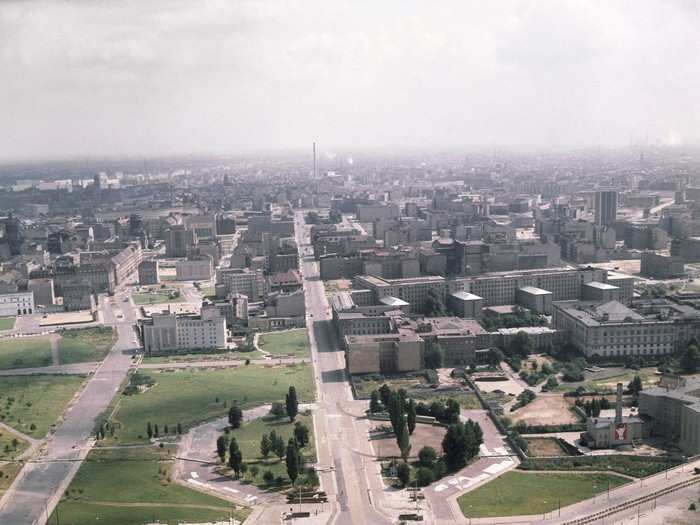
[(618, 404), (314, 160)]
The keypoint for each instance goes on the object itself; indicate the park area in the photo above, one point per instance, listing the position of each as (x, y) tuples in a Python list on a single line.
[(190, 397), (157, 296), (525, 494), (31, 404), (249, 436), (289, 343), (424, 435), (133, 486)]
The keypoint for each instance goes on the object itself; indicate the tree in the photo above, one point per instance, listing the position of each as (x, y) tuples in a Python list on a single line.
[(278, 409), (235, 458), (424, 476), (292, 403), (521, 345), (179, 429), (690, 361), (222, 444), (278, 445), (268, 477), (403, 473), (454, 446), (165, 430), (411, 416), (149, 430), (155, 430), (265, 446), (434, 356), (495, 357), (434, 307), (395, 411), (385, 394), (301, 434), (427, 457), (635, 386), (235, 416), (293, 460), (403, 440), (254, 470), (374, 404), (452, 410)]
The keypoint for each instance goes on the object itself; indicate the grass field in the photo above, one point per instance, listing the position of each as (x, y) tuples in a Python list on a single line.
[(212, 356), (521, 494), (132, 487), (249, 435), (8, 472), (193, 396), (11, 445), (141, 299), (88, 344), (25, 352), (293, 343), (7, 323), (31, 404)]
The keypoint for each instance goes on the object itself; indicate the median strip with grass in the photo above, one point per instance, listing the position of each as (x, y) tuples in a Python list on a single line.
[(132, 486), (190, 397), (524, 494)]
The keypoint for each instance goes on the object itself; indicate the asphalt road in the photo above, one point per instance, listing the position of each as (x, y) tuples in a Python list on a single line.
[(349, 475), (41, 483)]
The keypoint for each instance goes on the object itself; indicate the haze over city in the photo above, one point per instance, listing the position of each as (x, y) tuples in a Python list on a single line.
[(178, 77)]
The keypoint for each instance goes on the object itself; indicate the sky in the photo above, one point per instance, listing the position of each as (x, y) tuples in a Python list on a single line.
[(117, 78)]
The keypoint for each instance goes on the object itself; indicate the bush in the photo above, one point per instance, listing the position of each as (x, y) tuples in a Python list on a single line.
[(278, 409), (403, 474), (424, 476), (268, 477), (427, 457)]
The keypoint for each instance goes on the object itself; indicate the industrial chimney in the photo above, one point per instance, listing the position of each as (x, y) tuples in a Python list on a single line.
[(618, 405)]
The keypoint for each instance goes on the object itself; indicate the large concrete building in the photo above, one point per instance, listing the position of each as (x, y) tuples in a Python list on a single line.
[(673, 412), (168, 332), (198, 268), (605, 207), (250, 283), (659, 266)]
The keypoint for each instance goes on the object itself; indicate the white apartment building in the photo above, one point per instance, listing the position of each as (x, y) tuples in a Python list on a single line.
[(169, 333), (17, 303), (250, 283)]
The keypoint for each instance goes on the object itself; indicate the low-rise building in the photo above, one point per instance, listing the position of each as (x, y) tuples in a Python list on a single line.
[(199, 268), (659, 266), (17, 303), (169, 333)]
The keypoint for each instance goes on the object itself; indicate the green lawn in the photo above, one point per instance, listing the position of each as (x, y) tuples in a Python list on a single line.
[(155, 298), (290, 342), (8, 472), (522, 494), (7, 323), (190, 397), (212, 356), (249, 435), (85, 345), (132, 486), (31, 404), (25, 352), (11, 445)]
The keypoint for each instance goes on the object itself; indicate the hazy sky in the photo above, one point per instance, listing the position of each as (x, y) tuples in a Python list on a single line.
[(167, 76)]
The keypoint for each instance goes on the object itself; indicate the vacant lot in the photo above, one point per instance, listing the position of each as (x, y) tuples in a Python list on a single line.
[(7, 323), (25, 352), (545, 410), (606, 381), (521, 494), (189, 397), (88, 344), (11, 445), (539, 447), (294, 343), (424, 435), (132, 487), (31, 404), (505, 385)]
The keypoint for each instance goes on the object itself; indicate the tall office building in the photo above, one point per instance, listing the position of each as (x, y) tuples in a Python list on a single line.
[(605, 207)]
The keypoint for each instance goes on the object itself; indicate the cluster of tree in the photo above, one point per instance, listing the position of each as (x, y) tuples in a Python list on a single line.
[(524, 397), (138, 382), (593, 407), (434, 357), (520, 318), (445, 411), (152, 430), (551, 384), (690, 359), (102, 429), (573, 371), (535, 375), (402, 414), (461, 444), (272, 443), (434, 306), (634, 387)]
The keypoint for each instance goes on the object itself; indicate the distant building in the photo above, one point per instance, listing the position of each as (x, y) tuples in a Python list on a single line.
[(177, 239), (198, 268), (609, 432), (605, 207), (149, 272), (43, 291), (18, 303), (659, 266)]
